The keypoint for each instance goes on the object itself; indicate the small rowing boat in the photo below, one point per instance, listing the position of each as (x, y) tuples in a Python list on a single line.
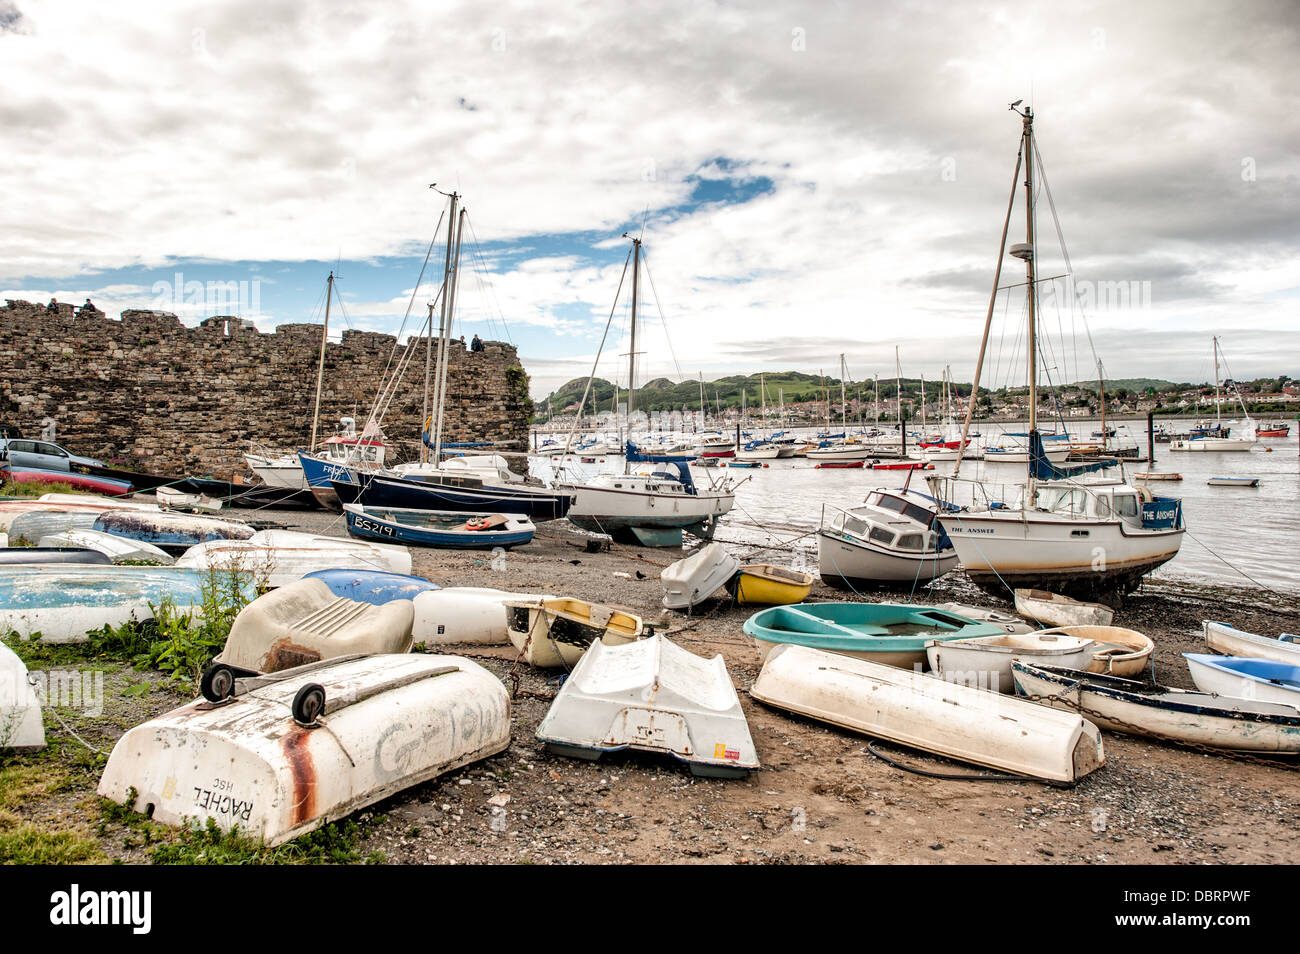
[(1228, 641), (694, 579), (1245, 678), (439, 528), (1117, 651), (763, 584), (909, 708), (1162, 712), (1053, 609), (557, 631), (984, 662)]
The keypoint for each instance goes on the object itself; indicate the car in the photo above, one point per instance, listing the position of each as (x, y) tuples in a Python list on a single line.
[(24, 452)]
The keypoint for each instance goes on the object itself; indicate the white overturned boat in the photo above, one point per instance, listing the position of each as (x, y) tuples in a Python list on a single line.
[(21, 728), (465, 615), (65, 503), (653, 696), (557, 631), (34, 525), (697, 577), (984, 662), (310, 745), (1243, 677), (1053, 609), (1233, 482), (1228, 641), (169, 498), (1161, 712), (305, 622), (62, 602), (906, 707), (279, 557), (117, 549)]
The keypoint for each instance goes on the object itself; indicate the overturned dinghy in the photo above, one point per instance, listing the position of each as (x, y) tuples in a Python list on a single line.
[(306, 622), (172, 531), (466, 615), (653, 696), (1053, 609), (18, 556), (117, 549), (557, 631), (373, 586), (63, 602), (21, 728), (909, 708), (279, 557), (35, 524), (295, 752), (697, 577)]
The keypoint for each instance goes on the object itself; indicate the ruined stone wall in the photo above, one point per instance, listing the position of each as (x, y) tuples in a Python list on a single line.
[(148, 393)]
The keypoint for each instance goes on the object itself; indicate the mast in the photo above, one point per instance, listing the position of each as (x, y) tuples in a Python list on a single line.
[(1218, 403), (444, 352), (1101, 397), (631, 358), (923, 404), (898, 383), (1028, 119), (428, 363), (844, 410), (320, 367)]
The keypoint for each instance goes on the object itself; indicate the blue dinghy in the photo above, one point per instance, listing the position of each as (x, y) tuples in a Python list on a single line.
[(375, 587), (891, 633), (439, 528)]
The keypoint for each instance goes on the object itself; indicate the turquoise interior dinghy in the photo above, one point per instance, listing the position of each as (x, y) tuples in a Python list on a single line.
[(891, 633)]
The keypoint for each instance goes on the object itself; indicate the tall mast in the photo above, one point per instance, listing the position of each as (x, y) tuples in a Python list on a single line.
[(444, 351), (844, 409), (1028, 119), (1217, 402), (428, 365), (875, 393), (923, 404), (320, 368), (631, 358), (1101, 398), (898, 383)]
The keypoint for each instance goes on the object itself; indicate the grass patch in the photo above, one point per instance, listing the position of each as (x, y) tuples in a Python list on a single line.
[(34, 488), (334, 844), (23, 780), (22, 843)]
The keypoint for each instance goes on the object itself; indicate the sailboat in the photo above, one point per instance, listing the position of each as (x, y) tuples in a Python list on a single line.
[(651, 507), (1218, 438), (842, 449), (1088, 540)]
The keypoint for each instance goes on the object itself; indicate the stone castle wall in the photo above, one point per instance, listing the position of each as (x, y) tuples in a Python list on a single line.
[(148, 393)]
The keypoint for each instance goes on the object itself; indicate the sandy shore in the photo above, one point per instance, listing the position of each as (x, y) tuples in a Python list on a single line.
[(819, 796)]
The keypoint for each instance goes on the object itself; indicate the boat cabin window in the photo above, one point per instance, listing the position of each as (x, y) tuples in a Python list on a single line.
[(855, 526), (882, 536), (1126, 505), (1103, 506), (910, 541), (1062, 499)]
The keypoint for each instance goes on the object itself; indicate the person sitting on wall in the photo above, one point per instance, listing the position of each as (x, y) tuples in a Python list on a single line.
[(53, 307), (476, 344), (88, 308), (462, 343)]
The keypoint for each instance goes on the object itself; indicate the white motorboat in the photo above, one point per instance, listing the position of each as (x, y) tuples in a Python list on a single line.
[(926, 713), (892, 537)]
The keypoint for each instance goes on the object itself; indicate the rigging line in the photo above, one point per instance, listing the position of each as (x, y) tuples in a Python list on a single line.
[(662, 320), (397, 341), (477, 252), (568, 442), (1065, 252), (1230, 566)]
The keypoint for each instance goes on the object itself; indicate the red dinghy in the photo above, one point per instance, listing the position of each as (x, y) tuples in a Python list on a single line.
[(39, 475), (914, 465), (840, 464)]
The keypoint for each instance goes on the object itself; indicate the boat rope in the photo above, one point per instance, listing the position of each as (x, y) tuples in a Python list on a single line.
[(59, 719), (948, 776), (1231, 566)]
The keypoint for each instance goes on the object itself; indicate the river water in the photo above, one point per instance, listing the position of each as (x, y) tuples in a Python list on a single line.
[(1235, 535)]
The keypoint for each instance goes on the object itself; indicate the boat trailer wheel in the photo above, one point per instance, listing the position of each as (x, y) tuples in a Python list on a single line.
[(218, 682), (308, 704)]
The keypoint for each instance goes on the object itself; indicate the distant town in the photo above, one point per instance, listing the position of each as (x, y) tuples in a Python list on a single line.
[(797, 399)]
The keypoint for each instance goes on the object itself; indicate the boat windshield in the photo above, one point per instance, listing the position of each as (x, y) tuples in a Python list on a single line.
[(1062, 500), (899, 505)]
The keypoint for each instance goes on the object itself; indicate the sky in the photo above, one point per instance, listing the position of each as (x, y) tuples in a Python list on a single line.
[(809, 180)]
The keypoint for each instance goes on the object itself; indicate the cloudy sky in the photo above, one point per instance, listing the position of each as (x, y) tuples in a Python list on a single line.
[(811, 179)]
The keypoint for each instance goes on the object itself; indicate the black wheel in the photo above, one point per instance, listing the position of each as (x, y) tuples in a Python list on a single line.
[(308, 704), (218, 682)]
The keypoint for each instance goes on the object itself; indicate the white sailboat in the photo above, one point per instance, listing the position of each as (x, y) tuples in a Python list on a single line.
[(1218, 439), (655, 506), (1085, 539)]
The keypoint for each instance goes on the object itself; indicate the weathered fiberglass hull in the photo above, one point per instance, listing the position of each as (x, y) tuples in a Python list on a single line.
[(389, 722)]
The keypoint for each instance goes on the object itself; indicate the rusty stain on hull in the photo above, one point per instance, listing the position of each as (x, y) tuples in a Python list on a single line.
[(297, 749)]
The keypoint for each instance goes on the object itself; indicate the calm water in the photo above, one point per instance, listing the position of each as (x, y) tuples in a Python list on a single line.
[(1255, 530)]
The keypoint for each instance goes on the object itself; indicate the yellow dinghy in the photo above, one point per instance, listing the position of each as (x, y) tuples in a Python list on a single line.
[(557, 631), (767, 585)]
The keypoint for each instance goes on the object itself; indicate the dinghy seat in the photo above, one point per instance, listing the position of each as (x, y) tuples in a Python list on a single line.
[(305, 622)]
